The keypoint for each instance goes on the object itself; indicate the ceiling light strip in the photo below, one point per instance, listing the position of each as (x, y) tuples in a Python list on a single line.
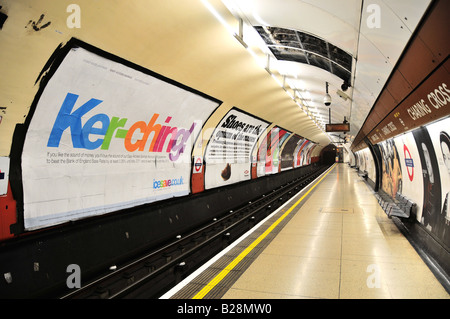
[(219, 17)]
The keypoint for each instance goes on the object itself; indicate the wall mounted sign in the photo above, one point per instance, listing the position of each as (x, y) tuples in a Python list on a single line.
[(429, 102)]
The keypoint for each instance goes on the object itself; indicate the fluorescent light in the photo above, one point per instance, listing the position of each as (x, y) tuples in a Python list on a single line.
[(218, 17)]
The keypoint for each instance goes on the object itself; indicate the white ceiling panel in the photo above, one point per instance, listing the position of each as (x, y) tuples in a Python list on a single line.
[(392, 35)]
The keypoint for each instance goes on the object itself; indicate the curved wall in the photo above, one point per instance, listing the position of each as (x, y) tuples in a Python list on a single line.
[(417, 165)]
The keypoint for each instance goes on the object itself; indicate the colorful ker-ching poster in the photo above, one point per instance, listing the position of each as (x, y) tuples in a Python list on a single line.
[(105, 136), (268, 153)]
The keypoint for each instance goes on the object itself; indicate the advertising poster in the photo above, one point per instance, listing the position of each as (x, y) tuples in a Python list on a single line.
[(309, 153), (304, 152), (277, 150), (391, 168), (287, 155), (261, 154), (298, 152), (370, 164), (228, 153), (440, 137), (105, 136), (268, 153), (361, 160), (431, 179), (412, 181)]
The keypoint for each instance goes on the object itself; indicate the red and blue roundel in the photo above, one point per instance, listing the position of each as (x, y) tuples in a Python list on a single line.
[(409, 163)]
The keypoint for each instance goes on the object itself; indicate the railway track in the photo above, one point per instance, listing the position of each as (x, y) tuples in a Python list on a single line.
[(156, 272)]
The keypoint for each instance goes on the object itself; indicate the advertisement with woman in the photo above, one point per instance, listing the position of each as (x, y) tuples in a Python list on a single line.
[(431, 179), (107, 135), (440, 136), (424, 157), (392, 171)]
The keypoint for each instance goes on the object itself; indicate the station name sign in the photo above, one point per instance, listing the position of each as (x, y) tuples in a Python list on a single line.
[(428, 103)]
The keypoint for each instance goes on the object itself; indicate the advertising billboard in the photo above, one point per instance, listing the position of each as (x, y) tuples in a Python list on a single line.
[(228, 153), (417, 165), (434, 142), (268, 156), (106, 135)]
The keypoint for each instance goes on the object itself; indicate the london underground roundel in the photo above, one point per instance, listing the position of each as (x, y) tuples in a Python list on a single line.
[(409, 163), (198, 165)]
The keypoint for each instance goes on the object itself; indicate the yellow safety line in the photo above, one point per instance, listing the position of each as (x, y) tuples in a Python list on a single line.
[(202, 293)]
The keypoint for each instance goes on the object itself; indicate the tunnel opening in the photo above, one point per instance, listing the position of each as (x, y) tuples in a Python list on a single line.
[(328, 155)]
